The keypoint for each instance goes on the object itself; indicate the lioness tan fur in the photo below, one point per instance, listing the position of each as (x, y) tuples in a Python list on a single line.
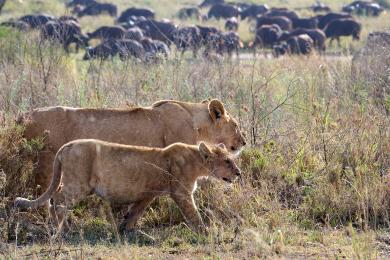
[(131, 174), (162, 124)]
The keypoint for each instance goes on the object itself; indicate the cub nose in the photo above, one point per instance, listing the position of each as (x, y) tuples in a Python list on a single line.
[(238, 172)]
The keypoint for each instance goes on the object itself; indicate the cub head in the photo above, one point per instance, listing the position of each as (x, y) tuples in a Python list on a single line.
[(225, 128), (220, 162)]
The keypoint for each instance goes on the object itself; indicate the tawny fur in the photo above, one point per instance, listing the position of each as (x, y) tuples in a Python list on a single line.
[(132, 175), (162, 124)]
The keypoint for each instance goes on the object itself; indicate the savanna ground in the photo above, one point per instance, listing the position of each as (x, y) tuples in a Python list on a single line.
[(316, 173)]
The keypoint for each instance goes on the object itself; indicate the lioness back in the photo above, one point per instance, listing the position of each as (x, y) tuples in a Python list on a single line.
[(65, 124)]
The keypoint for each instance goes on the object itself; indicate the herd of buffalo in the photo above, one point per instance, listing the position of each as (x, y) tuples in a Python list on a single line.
[(137, 32)]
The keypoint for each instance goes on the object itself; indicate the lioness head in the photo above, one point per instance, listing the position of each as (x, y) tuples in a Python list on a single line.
[(226, 129), (220, 162)]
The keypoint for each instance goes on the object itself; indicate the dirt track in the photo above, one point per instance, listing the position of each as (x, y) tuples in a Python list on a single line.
[(268, 55)]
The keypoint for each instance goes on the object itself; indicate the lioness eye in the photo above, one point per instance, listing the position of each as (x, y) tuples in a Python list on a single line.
[(227, 162)]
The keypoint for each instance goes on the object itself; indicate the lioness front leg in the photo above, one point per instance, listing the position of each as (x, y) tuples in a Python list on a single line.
[(186, 203), (135, 213)]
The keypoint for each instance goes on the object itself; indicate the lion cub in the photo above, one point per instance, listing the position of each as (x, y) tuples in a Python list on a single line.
[(132, 175)]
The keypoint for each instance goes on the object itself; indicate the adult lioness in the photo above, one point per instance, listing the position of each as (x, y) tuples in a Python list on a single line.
[(132, 174), (162, 124)]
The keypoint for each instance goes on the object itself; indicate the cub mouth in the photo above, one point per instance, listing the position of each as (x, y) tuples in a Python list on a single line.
[(227, 180)]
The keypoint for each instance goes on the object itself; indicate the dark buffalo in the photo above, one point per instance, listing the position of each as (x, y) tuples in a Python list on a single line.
[(320, 7), (162, 48), (267, 36), (231, 24), (305, 23), (102, 51), (2, 3), (130, 48), (154, 49), (292, 45), (282, 12), (65, 18), (280, 49), (37, 20), (189, 12), (324, 20), (374, 9), (223, 11), (240, 5), (317, 35), (230, 43), (206, 32), (99, 8), (343, 27), (134, 33), (107, 32), (253, 11), (188, 38), (220, 43), (300, 45), (83, 3), (136, 12), (162, 31), (348, 9), (65, 33), (213, 43), (149, 45), (20, 25), (78, 9), (283, 22), (363, 8), (206, 3), (133, 20), (111, 48)]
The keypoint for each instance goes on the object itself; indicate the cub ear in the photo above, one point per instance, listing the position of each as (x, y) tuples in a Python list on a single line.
[(205, 101), (222, 146), (216, 109), (204, 151)]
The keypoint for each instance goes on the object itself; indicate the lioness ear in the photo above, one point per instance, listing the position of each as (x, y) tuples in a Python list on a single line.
[(204, 151), (216, 109)]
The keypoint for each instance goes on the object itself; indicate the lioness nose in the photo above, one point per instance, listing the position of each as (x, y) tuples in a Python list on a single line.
[(243, 140)]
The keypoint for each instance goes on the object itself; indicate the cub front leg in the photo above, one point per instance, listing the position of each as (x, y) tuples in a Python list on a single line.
[(186, 203), (136, 213)]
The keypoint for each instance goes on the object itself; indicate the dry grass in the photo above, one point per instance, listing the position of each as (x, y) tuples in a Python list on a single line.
[(316, 174)]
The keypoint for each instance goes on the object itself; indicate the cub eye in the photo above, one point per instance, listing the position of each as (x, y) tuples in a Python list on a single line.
[(227, 162)]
